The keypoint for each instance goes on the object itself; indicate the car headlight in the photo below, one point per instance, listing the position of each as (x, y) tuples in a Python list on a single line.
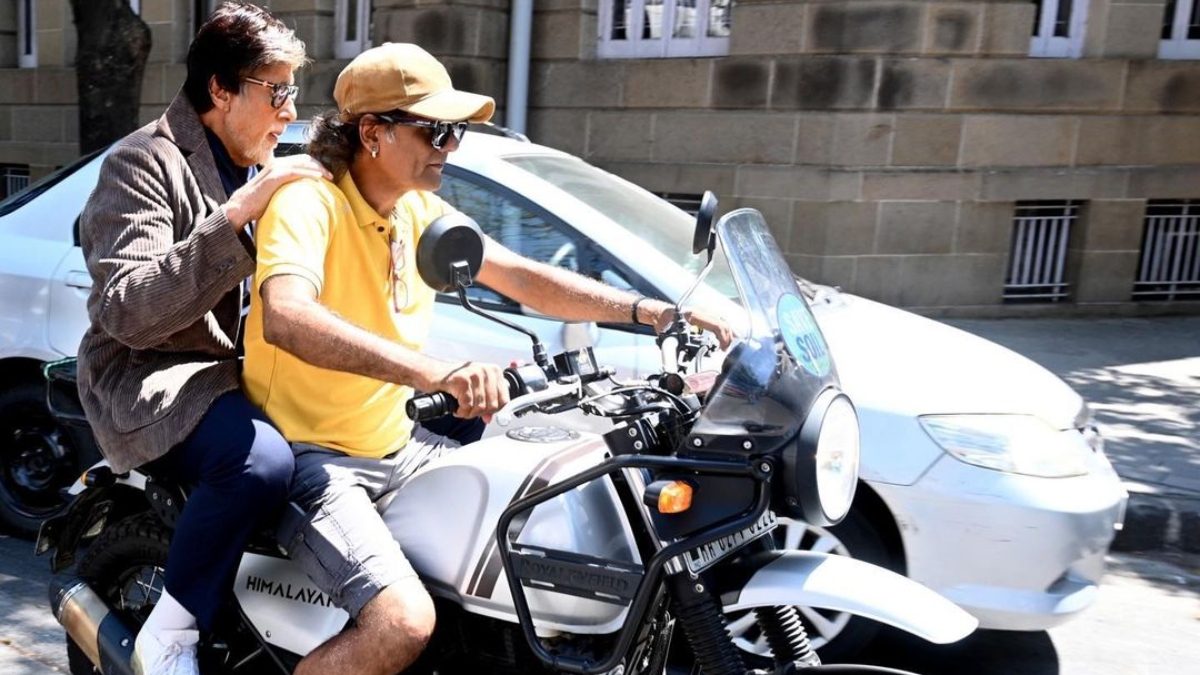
[(1021, 444), (821, 466), (1085, 422)]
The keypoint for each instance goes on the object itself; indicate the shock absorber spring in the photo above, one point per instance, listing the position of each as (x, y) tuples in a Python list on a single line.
[(786, 635), (702, 619)]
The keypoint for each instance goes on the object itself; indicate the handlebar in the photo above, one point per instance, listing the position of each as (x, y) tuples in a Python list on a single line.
[(425, 407)]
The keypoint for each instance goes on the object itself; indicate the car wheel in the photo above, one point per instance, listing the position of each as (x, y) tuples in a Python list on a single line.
[(37, 459), (837, 636)]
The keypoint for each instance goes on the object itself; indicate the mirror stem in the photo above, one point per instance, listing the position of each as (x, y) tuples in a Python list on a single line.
[(699, 280), (539, 351)]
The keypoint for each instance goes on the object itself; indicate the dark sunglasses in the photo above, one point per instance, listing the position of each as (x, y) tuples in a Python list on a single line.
[(439, 132), (280, 92)]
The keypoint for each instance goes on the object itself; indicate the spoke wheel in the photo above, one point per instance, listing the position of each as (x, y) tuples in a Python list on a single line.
[(835, 635)]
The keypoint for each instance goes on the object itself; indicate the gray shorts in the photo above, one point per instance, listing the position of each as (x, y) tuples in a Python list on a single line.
[(332, 529)]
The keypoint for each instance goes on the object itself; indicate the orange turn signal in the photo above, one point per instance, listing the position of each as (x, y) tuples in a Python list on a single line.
[(675, 497)]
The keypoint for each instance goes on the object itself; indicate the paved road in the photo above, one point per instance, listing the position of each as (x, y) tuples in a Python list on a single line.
[(1145, 622), (1142, 378)]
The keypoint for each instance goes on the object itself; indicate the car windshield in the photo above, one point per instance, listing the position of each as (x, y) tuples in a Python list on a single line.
[(19, 199), (645, 216)]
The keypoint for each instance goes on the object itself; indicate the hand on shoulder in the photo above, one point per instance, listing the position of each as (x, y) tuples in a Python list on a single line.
[(250, 201)]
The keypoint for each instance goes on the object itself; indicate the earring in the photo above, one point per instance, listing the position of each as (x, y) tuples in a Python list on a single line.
[(374, 151)]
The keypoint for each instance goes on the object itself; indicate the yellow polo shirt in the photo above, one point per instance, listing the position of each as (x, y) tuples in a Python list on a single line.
[(329, 235)]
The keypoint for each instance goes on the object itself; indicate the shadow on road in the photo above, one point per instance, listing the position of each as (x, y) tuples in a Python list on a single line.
[(988, 652), (1150, 421)]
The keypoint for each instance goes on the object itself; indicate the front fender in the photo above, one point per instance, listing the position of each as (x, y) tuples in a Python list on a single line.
[(846, 585)]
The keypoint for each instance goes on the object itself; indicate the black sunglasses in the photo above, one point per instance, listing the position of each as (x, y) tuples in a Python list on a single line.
[(439, 132), (280, 92)]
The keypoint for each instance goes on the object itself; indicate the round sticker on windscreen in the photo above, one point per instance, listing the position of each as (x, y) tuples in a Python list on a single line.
[(801, 335)]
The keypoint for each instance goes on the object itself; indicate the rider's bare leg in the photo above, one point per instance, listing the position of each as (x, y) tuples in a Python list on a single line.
[(391, 631)]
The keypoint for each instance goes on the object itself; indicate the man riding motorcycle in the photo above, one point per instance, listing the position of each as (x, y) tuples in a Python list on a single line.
[(337, 323)]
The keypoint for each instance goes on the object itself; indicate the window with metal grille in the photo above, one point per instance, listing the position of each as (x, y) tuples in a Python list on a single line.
[(1181, 30), (13, 179), (685, 200), (1037, 263), (634, 29), (1058, 27), (1169, 268)]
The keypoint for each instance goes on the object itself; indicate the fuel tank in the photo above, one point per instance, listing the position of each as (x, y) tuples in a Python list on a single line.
[(445, 519)]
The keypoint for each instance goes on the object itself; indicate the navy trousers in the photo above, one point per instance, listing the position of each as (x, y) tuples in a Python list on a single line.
[(240, 469)]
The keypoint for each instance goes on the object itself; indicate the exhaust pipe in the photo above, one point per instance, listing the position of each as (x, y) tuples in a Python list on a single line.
[(100, 633)]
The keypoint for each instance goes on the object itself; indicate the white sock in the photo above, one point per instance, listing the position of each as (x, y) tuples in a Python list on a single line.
[(168, 614)]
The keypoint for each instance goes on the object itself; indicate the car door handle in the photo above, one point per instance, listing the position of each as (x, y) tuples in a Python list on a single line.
[(76, 279)]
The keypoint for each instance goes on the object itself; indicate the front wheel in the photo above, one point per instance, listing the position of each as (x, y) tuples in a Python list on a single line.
[(837, 636)]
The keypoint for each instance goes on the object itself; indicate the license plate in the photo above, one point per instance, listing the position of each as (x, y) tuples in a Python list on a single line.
[(703, 557)]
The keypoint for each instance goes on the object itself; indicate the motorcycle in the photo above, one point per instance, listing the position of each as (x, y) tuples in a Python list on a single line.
[(559, 546)]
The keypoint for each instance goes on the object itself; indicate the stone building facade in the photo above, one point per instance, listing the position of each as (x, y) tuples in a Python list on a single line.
[(951, 156)]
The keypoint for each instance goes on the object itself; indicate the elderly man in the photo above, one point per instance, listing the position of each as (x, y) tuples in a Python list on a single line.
[(333, 350), (167, 242)]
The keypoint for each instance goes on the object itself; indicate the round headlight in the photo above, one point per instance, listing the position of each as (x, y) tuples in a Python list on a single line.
[(821, 466), (837, 458)]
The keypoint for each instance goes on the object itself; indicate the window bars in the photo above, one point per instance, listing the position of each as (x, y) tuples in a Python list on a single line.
[(1169, 268), (1038, 259), (687, 201), (15, 177)]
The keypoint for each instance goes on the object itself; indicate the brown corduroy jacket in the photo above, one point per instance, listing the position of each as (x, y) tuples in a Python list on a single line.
[(166, 303)]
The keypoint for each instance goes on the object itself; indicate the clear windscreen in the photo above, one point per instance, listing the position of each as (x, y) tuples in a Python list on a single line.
[(773, 373)]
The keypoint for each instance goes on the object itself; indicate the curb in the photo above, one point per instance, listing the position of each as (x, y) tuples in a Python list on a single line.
[(1157, 522)]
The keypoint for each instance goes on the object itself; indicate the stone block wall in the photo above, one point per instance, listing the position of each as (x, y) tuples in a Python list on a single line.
[(39, 118), (888, 141)]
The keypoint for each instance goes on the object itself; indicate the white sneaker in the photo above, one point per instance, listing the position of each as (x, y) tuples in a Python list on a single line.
[(167, 652)]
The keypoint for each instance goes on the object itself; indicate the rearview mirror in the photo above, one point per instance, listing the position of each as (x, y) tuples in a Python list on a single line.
[(450, 252), (705, 238)]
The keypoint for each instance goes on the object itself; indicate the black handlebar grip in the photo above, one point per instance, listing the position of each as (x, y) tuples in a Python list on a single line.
[(427, 407), (430, 406)]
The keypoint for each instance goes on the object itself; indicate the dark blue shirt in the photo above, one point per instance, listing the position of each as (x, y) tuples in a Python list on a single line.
[(232, 175)]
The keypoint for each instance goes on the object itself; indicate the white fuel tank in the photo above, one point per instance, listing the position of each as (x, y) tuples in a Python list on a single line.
[(445, 520)]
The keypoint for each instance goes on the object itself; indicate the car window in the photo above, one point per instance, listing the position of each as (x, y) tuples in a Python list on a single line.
[(522, 227)]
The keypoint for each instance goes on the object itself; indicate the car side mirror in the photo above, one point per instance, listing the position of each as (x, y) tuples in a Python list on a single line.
[(450, 252)]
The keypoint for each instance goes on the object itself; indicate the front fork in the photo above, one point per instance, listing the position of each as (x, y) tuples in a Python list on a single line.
[(698, 611)]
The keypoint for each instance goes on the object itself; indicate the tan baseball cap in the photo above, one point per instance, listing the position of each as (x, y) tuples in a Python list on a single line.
[(402, 76)]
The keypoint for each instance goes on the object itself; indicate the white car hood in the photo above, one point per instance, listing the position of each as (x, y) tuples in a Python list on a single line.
[(906, 364)]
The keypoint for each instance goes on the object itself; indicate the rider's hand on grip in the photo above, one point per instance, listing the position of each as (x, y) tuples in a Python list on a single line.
[(479, 388)]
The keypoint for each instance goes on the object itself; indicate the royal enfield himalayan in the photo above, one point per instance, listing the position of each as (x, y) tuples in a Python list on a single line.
[(560, 546)]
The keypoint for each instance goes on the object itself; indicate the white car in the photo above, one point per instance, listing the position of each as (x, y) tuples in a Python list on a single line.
[(982, 476)]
